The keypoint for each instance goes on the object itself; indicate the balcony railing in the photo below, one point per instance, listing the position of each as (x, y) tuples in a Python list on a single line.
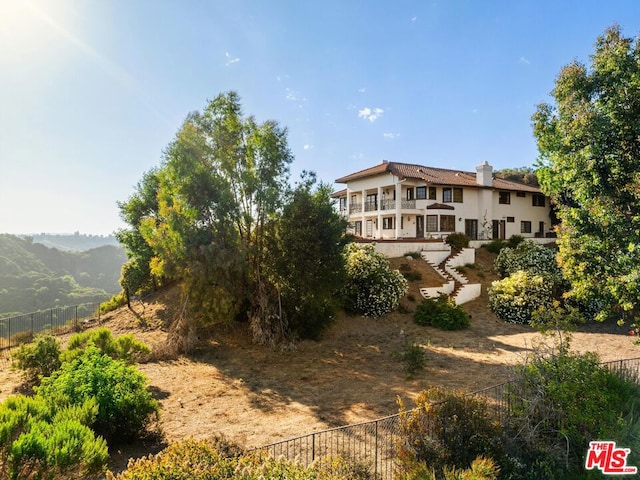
[(370, 206), (355, 208), (408, 204), (388, 205)]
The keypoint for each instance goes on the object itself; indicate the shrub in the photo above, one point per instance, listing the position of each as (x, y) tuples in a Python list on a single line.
[(38, 359), (494, 246), (412, 276), (531, 257), (124, 347), (413, 358), (414, 255), (514, 241), (198, 460), (441, 313), (125, 407), (39, 442), (458, 241), (113, 303), (447, 429), (563, 400), (372, 288), (515, 298)]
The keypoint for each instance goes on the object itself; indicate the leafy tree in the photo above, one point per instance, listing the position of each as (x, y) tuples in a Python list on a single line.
[(306, 264), (589, 144), (372, 287), (514, 299), (222, 181), (525, 175)]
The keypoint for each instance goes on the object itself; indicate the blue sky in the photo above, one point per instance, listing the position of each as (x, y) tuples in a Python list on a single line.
[(92, 91)]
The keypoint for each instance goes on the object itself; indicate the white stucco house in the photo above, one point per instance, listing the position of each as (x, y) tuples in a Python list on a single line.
[(400, 201)]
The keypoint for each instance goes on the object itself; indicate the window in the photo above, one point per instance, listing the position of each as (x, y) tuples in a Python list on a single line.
[(409, 193), (521, 194), (511, 219), (432, 193), (450, 194), (343, 204), (432, 223), (537, 200), (447, 223), (504, 198), (359, 228), (387, 223), (525, 227), (421, 193), (372, 202)]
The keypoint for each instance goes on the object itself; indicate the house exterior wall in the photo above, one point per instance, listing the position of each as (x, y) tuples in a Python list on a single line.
[(385, 207)]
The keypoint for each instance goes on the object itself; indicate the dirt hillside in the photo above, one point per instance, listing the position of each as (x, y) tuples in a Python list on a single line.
[(254, 395)]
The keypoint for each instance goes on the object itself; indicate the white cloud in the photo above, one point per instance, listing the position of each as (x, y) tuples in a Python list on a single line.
[(230, 59), (524, 60), (362, 90), (308, 146), (391, 135), (413, 19), (369, 114)]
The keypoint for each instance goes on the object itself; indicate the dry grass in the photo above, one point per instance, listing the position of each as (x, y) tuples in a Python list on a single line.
[(255, 395)]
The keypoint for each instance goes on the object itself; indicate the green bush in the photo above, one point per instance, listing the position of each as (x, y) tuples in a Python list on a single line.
[(414, 255), (199, 460), (113, 303), (125, 407), (413, 358), (38, 359), (372, 288), (531, 257), (37, 441), (412, 276), (446, 429), (515, 298), (494, 246), (560, 402), (458, 241), (124, 347), (441, 313), (514, 241)]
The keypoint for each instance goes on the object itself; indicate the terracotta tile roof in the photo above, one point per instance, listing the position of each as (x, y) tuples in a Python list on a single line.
[(435, 176), (440, 206)]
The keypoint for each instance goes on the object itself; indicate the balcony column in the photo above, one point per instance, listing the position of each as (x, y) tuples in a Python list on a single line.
[(398, 209), (363, 194), (379, 210)]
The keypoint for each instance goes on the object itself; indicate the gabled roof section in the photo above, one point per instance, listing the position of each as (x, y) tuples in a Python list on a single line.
[(435, 176)]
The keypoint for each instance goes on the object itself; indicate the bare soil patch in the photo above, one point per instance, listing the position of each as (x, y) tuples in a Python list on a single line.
[(255, 395)]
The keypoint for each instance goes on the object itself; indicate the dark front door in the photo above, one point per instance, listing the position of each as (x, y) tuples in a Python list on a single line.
[(498, 228), (419, 226)]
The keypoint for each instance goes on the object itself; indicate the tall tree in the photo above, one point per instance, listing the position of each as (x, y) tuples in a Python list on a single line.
[(222, 179), (589, 144), (305, 262)]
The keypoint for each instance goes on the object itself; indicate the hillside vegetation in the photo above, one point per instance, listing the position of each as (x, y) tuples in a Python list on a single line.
[(33, 276)]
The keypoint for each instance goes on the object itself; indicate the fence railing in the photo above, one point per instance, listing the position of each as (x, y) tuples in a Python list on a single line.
[(21, 328), (374, 443)]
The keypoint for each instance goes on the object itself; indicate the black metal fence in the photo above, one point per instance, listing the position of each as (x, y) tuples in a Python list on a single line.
[(22, 328), (374, 443)]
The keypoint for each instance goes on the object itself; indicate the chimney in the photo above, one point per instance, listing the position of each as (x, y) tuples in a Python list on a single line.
[(484, 175)]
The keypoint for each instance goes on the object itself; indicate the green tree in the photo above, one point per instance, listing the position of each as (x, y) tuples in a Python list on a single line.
[(589, 144), (306, 262), (221, 183)]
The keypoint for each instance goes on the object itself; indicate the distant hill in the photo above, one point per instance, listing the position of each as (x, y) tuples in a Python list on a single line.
[(34, 276), (74, 243)]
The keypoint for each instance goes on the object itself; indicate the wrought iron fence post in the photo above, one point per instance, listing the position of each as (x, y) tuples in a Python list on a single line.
[(75, 324), (375, 456), (313, 447), (32, 324)]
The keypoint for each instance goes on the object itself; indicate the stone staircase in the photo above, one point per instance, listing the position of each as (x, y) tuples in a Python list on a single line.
[(456, 285)]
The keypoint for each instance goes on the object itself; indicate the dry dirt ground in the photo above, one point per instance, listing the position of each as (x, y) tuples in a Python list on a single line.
[(255, 395)]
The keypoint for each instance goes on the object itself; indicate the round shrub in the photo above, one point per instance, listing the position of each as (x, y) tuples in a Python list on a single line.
[(515, 298), (458, 241), (125, 406), (372, 288), (441, 313), (37, 441), (124, 347), (529, 256), (38, 359)]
